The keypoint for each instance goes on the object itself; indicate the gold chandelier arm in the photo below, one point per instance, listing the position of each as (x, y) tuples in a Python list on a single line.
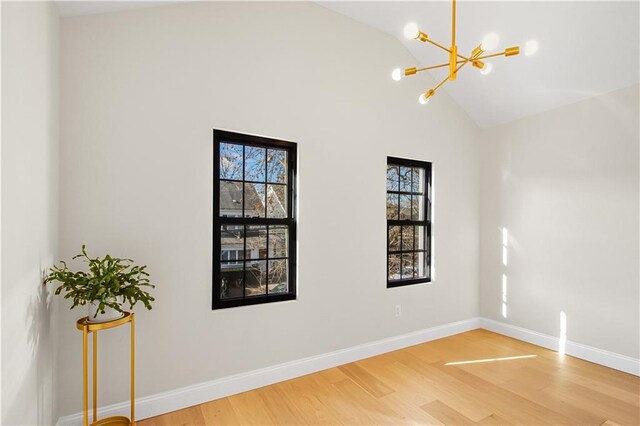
[(435, 66), (490, 56), (465, 62), (439, 85), (509, 51)]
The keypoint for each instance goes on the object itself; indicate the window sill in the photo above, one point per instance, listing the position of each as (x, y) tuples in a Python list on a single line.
[(256, 300), (392, 284)]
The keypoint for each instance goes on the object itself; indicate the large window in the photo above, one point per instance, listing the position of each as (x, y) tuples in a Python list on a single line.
[(254, 228), (408, 222)]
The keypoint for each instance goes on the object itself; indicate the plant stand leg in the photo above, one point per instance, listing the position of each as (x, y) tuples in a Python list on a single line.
[(133, 370), (95, 376), (85, 384)]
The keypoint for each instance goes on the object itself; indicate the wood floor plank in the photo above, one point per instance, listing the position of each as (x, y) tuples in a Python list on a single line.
[(626, 395), (219, 412), (595, 402), (191, 416), (447, 389), (419, 385), (278, 407), (446, 414), (251, 409), (493, 420), (334, 402), (577, 414), (365, 380), (302, 393), (512, 407), (378, 410), (412, 411)]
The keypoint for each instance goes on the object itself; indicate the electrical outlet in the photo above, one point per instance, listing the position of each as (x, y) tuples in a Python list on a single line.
[(398, 311)]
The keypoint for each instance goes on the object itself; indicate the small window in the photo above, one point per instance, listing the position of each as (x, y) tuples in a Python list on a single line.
[(254, 227), (408, 222)]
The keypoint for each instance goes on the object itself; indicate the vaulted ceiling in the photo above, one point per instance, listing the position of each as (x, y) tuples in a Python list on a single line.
[(585, 48)]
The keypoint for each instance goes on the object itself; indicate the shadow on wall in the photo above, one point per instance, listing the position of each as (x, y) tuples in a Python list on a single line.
[(40, 341), (31, 353)]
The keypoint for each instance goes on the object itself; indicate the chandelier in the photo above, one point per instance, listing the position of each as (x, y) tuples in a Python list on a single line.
[(456, 60)]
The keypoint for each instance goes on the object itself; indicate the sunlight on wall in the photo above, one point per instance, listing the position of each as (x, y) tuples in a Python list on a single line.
[(562, 344), (504, 295), (505, 241)]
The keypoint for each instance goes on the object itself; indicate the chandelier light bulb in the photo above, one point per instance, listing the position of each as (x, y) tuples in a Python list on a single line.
[(397, 74), (487, 68), (411, 31), (490, 42), (423, 99), (530, 47)]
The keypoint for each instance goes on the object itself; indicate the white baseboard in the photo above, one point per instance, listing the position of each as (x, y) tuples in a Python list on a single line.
[(608, 359), (154, 405), (165, 402)]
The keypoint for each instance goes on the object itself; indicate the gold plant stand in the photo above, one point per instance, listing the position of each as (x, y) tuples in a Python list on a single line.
[(87, 327)]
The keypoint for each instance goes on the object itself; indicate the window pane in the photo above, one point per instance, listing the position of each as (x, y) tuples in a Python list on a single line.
[(276, 166), (392, 178), (278, 241), (394, 238), (407, 238), (392, 206), (256, 242), (277, 201), (427, 266), (394, 266), (278, 276), (230, 161), (254, 199), (255, 164), (405, 207), (417, 207), (417, 179), (231, 280), (419, 265), (231, 241), (405, 179), (407, 266), (256, 277), (230, 199), (420, 238)]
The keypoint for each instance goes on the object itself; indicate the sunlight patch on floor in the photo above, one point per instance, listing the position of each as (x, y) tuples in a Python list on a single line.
[(477, 361)]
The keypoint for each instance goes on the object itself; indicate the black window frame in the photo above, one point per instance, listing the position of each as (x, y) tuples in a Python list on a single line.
[(222, 136), (425, 222)]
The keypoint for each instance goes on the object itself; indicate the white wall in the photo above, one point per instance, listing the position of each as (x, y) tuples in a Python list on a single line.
[(565, 185), (141, 93), (29, 208)]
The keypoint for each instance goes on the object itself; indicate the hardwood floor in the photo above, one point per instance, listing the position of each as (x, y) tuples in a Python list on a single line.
[(477, 377)]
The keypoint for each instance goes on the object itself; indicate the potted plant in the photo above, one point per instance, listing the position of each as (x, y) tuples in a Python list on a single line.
[(105, 288)]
